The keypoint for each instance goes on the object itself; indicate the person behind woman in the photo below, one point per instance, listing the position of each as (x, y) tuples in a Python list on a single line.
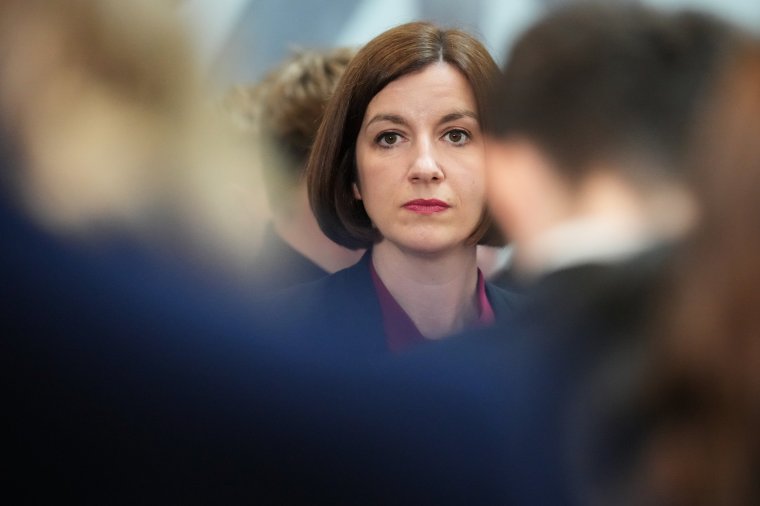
[(281, 115), (397, 167)]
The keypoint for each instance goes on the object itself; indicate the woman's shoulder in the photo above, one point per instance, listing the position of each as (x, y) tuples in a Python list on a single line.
[(350, 281), (340, 311), (504, 302), (340, 297)]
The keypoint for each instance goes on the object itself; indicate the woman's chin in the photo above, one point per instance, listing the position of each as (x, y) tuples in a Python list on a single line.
[(427, 245)]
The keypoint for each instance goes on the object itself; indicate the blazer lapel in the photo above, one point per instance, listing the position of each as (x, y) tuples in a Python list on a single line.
[(355, 308)]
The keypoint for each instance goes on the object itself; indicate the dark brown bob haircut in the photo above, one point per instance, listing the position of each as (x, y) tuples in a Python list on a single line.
[(331, 168)]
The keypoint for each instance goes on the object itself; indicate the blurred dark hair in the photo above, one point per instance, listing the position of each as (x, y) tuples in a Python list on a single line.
[(397, 52), (596, 83), (706, 395)]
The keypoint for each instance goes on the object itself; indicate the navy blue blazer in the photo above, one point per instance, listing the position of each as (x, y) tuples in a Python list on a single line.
[(344, 311), (125, 382)]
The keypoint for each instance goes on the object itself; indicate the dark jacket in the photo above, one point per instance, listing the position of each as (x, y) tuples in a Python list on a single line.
[(567, 372), (125, 382), (345, 307)]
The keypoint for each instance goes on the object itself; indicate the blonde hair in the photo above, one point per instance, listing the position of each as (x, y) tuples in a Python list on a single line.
[(102, 105), (285, 109)]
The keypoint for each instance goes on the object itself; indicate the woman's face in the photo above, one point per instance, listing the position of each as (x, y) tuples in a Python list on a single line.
[(420, 161)]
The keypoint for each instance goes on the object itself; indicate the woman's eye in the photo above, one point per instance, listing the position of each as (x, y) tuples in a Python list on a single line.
[(387, 139), (457, 136)]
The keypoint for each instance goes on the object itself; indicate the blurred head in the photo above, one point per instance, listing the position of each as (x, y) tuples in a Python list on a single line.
[(85, 102), (595, 94), (108, 127), (282, 114), (399, 153)]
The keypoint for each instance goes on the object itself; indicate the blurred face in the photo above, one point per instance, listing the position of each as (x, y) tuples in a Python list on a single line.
[(420, 161), (526, 194)]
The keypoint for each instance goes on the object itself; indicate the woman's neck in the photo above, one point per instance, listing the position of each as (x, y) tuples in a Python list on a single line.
[(438, 292)]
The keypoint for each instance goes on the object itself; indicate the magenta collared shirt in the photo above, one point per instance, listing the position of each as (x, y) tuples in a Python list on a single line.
[(400, 330)]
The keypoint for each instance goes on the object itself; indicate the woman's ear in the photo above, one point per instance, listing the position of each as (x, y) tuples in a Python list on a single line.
[(357, 193)]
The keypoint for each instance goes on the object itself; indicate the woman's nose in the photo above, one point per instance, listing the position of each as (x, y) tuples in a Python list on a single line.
[(425, 167)]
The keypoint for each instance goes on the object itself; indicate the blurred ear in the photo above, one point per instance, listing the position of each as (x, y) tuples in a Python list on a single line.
[(526, 193), (357, 193)]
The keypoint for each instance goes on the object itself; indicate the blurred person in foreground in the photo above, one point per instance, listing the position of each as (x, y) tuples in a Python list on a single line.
[(397, 168), (703, 395), (589, 127), (281, 115)]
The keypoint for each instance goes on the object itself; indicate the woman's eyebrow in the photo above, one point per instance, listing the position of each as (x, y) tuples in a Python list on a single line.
[(456, 115), (399, 120), (393, 118)]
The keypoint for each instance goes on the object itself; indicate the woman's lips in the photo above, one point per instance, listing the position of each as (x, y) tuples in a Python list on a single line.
[(426, 206)]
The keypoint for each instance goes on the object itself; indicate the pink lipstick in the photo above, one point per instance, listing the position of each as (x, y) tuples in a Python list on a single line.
[(426, 206)]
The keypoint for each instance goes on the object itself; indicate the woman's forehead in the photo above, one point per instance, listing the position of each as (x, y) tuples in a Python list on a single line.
[(435, 91)]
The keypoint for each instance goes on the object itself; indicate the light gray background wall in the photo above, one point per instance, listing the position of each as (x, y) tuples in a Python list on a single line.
[(239, 40)]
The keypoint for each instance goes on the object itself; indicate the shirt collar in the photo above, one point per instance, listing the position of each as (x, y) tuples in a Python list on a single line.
[(583, 241), (400, 330)]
